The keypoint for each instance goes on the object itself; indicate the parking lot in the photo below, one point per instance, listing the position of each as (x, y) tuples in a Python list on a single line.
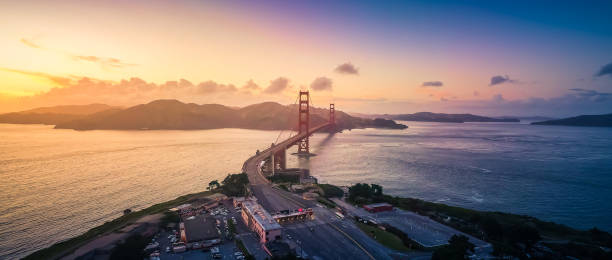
[(227, 248), (421, 229)]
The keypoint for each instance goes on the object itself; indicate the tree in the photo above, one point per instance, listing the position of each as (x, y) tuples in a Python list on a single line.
[(377, 190), (235, 184), (373, 192), (214, 184), (131, 248), (457, 249)]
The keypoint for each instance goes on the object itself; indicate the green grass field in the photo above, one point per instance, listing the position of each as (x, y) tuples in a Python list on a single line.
[(383, 237)]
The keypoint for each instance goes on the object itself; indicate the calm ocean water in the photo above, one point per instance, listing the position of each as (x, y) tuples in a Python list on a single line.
[(59, 183), (556, 173)]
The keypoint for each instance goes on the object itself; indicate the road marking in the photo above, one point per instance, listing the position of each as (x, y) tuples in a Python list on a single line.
[(286, 197), (354, 241)]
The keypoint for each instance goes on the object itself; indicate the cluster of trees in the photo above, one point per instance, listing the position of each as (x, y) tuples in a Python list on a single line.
[(283, 178), (363, 193), (232, 185), (330, 191), (457, 249), (131, 248)]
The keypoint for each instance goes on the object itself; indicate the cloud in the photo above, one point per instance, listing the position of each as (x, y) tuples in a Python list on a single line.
[(251, 85), (277, 85), (30, 43), (443, 99), (476, 93), (498, 98), (592, 95), (106, 63), (496, 80), (55, 79), (605, 70), (432, 84), (348, 99), (347, 68), (214, 87), (321, 84), (74, 90)]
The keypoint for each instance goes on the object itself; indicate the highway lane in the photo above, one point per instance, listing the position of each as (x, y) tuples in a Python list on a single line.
[(321, 238)]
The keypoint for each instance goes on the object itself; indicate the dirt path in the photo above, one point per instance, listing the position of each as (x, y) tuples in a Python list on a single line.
[(112, 237)]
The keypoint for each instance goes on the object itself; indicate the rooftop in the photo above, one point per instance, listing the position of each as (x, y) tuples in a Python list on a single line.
[(200, 228), (265, 220), (375, 205)]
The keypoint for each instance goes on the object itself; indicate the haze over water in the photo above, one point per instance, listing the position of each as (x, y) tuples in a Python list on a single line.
[(59, 183)]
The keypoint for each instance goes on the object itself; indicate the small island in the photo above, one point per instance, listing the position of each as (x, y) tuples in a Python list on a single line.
[(448, 118), (584, 120)]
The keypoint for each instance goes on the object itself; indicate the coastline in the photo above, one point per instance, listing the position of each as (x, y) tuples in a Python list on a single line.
[(551, 232), (64, 248)]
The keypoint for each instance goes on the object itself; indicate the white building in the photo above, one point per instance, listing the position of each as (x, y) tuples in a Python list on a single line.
[(260, 221)]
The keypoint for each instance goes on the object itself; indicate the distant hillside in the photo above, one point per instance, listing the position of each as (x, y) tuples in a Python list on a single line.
[(173, 114), (54, 115), (584, 120), (448, 118)]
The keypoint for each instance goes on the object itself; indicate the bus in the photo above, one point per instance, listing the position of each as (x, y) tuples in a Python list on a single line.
[(339, 215)]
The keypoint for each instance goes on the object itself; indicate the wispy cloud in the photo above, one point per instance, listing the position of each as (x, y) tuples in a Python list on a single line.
[(30, 43), (496, 80), (321, 84), (105, 62), (605, 70), (55, 79), (348, 99), (593, 95), (432, 84), (498, 98), (347, 68)]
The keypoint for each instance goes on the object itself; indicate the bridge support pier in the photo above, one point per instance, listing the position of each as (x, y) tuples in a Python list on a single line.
[(277, 161), (281, 159)]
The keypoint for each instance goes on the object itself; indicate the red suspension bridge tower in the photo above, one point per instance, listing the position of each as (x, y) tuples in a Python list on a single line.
[(304, 122), (332, 117)]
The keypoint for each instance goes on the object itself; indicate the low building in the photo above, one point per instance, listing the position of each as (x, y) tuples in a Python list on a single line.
[(260, 221), (198, 228), (378, 207), (295, 215), (238, 201)]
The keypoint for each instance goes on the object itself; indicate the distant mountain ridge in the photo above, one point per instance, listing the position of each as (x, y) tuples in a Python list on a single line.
[(448, 118), (54, 115), (584, 120), (173, 114)]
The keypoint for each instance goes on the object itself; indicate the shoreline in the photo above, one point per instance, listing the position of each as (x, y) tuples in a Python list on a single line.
[(67, 247), (551, 232)]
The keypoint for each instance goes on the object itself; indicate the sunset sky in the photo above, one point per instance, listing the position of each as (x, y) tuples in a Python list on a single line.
[(514, 58)]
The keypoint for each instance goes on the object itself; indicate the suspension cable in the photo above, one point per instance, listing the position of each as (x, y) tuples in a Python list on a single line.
[(288, 120)]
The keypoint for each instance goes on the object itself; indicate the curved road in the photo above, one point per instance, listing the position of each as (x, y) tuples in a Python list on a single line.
[(326, 237)]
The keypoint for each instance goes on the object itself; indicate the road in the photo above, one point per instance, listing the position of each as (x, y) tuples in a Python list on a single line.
[(325, 237)]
